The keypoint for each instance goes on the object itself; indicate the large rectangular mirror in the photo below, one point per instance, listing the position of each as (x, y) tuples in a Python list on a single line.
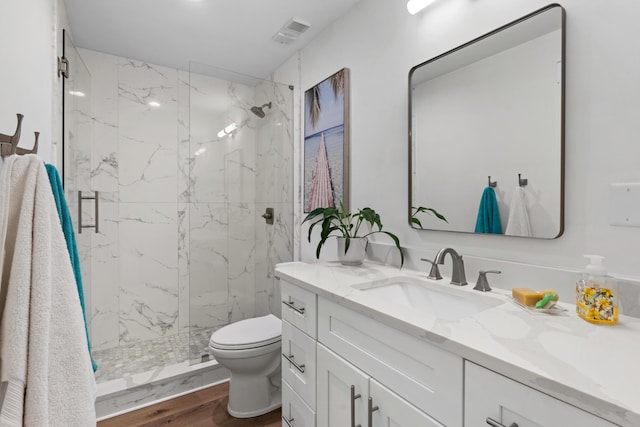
[(491, 112)]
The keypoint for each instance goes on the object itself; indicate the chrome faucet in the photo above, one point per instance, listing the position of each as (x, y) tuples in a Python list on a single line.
[(457, 272)]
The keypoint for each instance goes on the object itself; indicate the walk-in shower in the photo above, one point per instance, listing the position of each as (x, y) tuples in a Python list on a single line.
[(182, 249)]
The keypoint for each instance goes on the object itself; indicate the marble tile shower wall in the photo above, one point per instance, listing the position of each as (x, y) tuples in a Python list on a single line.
[(180, 246)]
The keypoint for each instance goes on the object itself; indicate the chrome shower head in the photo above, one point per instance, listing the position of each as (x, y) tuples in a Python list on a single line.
[(258, 111)]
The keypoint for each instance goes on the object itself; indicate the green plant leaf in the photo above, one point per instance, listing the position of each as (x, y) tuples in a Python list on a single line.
[(397, 242), (420, 209), (417, 222)]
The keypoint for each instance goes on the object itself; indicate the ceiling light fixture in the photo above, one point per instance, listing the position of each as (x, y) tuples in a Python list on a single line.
[(415, 6), (77, 93), (154, 104)]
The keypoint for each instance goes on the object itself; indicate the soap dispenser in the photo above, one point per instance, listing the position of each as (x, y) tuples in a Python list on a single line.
[(597, 293)]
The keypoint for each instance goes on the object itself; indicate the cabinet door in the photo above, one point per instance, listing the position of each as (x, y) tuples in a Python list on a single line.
[(491, 395), (335, 379), (394, 410)]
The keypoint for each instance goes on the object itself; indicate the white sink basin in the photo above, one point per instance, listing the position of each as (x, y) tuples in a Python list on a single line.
[(444, 300)]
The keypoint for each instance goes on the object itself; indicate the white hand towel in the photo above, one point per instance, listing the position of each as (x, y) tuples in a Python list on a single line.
[(518, 223)]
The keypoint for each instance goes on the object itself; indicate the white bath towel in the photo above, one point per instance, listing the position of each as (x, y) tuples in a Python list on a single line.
[(43, 346), (518, 223)]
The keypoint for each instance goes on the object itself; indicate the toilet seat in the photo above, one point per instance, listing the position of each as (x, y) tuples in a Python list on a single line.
[(248, 333)]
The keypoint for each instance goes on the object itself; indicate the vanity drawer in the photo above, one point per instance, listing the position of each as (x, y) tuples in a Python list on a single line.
[(491, 395), (428, 377), (295, 412), (299, 308), (299, 362)]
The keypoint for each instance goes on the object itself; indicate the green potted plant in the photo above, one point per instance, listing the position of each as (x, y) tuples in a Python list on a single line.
[(346, 227)]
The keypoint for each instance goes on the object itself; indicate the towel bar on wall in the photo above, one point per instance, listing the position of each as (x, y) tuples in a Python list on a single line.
[(97, 209)]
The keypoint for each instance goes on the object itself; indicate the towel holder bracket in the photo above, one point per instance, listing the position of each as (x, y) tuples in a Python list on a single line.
[(522, 182)]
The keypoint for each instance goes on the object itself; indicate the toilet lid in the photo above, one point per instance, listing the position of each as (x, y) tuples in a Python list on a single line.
[(248, 333)]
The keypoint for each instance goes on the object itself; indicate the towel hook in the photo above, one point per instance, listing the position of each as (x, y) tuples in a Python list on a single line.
[(33, 150), (522, 181), (492, 184), (11, 140)]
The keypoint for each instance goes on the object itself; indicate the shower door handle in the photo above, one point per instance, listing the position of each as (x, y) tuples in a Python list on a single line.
[(96, 198)]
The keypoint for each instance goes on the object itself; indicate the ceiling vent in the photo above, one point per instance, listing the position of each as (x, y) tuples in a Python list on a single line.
[(290, 31), (283, 38)]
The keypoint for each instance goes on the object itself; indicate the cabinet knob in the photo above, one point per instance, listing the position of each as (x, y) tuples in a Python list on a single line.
[(494, 423)]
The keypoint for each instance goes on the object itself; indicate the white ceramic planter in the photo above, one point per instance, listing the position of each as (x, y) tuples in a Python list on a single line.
[(357, 250)]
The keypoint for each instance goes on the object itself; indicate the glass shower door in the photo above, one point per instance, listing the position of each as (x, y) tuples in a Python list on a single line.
[(76, 149)]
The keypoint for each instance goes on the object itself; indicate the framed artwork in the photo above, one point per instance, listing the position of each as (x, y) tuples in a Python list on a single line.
[(326, 143)]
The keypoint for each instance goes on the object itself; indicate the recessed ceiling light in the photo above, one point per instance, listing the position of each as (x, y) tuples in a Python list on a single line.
[(77, 93), (154, 104)]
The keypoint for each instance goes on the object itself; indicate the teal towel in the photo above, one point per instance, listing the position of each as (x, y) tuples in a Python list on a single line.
[(488, 215), (70, 237)]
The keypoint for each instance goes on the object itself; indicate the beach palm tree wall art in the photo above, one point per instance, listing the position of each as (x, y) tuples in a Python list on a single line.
[(326, 143)]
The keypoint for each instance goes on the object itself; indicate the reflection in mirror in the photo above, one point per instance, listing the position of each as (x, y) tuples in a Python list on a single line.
[(486, 132)]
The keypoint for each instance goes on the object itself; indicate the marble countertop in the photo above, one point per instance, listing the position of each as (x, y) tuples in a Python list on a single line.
[(593, 367)]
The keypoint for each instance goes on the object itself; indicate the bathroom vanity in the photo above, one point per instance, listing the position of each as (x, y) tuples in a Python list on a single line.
[(374, 346)]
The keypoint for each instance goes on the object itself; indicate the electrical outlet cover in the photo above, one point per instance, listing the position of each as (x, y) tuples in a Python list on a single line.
[(624, 204)]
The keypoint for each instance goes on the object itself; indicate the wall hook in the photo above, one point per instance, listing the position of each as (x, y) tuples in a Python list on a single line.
[(8, 143), (492, 184), (33, 150), (522, 181)]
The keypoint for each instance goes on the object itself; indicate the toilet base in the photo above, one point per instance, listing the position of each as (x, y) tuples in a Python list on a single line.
[(250, 397)]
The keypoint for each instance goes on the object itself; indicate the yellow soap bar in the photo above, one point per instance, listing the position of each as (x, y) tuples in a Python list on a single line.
[(526, 296)]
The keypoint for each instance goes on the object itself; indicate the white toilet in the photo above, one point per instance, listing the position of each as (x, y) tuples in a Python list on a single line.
[(250, 349)]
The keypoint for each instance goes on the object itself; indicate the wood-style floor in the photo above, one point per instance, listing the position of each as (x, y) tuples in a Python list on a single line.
[(204, 408)]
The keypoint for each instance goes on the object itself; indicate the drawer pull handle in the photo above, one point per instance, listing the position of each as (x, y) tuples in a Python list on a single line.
[(371, 410), (291, 305), (354, 396), (288, 422), (494, 423), (295, 365)]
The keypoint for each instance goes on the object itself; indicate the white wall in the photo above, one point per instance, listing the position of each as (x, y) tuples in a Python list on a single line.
[(27, 74), (379, 41)]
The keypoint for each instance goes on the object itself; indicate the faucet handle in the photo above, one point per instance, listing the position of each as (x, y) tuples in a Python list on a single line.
[(434, 274), (482, 284)]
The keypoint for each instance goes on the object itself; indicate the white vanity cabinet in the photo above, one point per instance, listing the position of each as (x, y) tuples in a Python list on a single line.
[(493, 398), (349, 397), (342, 368)]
